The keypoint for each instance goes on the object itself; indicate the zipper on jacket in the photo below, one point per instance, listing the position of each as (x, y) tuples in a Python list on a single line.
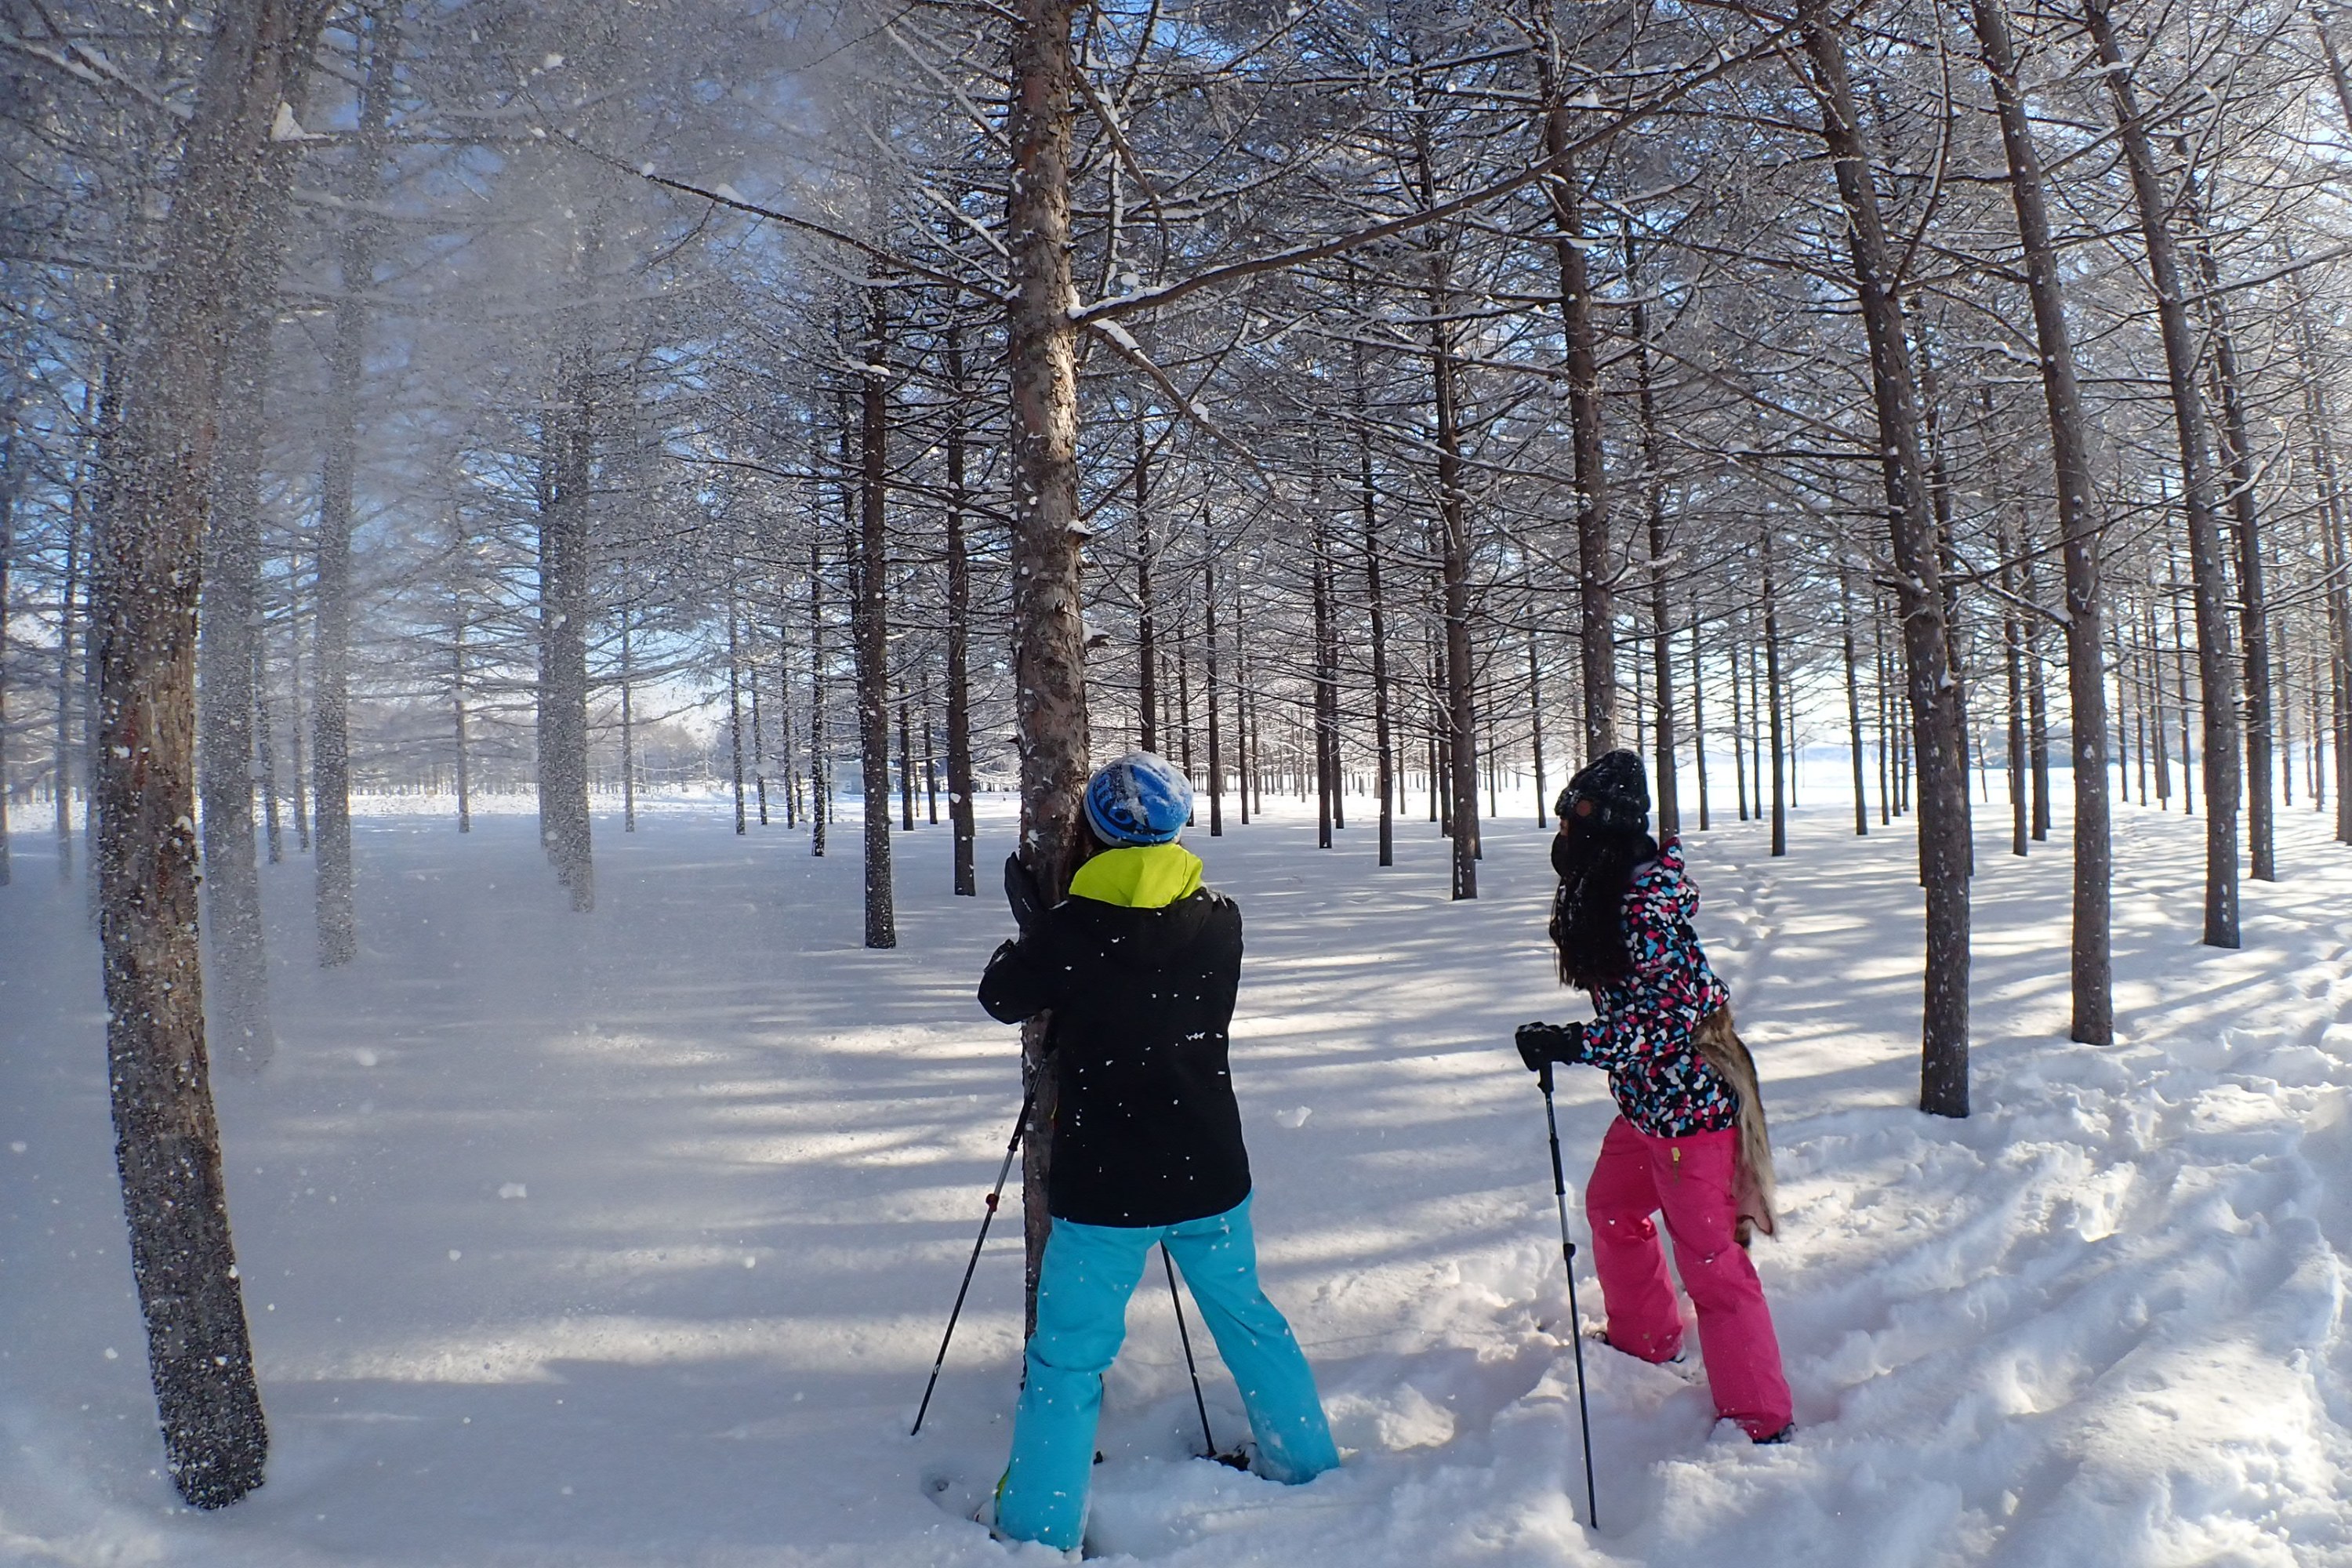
[(1676, 1150)]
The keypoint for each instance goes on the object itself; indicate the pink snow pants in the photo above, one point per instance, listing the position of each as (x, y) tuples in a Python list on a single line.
[(1691, 1179)]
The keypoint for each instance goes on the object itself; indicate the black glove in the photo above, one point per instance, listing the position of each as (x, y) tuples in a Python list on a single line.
[(1021, 892), (1541, 1043)]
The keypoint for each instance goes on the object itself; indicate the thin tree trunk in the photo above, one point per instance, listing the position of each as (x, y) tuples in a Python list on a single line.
[(1209, 650), (1852, 702), (567, 465), (1738, 735), (1772, 695), (869, 630), (1653, 507), (628, 734), (148, 575), (1383, 739), (2037, 694), (2217, 677), (734, 704), (2012, 639), (1944, 829), (959, 785), (1597, 615), (820, 770), (227, 630), (1698, 716), (458, 716), (330, 780)]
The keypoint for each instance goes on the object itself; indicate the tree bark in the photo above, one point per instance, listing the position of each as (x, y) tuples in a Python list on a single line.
[(1665, 785), (869, 630), (1595, 579), (148, 575), (1772, 698), (330, 776), (567, 464), (2217, 676), (1943, 853), (1049, 645), (962, 828), (1853, 702)]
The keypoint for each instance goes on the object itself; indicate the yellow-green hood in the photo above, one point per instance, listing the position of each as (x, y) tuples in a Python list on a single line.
[(1139, 877)]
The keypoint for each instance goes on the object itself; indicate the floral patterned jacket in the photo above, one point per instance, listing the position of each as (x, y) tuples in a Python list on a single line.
[(1645, 1021)]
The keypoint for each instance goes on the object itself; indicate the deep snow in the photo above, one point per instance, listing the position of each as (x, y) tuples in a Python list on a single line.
[(627, 1238)]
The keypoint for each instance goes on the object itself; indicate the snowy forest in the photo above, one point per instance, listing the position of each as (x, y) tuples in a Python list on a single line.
[(548, 550)]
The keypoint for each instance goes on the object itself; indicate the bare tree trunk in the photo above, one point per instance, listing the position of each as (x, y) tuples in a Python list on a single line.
[(820, 765), (1049, 648), (61, 774), (2013, 641), (2037, 695), (1772, 698), (1383, 739), (1665, 785), (734, 705), (1853, 702), (11, 474), (2217, 677), (458, 717), (1738, 735), (330, 783), (1147, 610), (567, 465), (869, 631), (1534, 727), (959, 804), (1597, 613), (1208, 632), (1320, 590), (227, 623), (148, 575), (1944, 832), (628, 734), (1698, 716), (2254, 601)]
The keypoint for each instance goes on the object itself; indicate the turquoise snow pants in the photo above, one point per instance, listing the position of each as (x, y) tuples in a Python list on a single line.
[(1088, 1273)]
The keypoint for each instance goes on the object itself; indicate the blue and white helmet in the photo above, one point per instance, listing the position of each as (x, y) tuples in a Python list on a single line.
[(1139, 799)]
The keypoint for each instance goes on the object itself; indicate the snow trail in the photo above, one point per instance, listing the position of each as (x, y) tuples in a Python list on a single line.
[(626, 1239)]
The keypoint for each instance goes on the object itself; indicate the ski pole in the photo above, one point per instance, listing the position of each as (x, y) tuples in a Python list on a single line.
[(1209, 1444), (1575, 1320), (1020, 1124)]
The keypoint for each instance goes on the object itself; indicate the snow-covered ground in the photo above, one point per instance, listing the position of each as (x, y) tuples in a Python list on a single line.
[(627, 1238)]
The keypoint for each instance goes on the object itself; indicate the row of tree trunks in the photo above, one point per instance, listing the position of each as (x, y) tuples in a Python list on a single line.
[(148, 572)]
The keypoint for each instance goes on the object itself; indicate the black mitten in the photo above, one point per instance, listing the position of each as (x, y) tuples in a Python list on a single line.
[(1541, 1043), (1021, 892)]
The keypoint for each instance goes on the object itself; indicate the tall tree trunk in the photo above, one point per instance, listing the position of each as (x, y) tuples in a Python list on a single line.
[(1147, 609), (2037, 693), (869, 630), (567, 466), (820, 755), (2254, 602), (148, 575), (330, 771), (1049, 645), (961, 826), (1698, 716), (1772, 697), (1320, 590), (61, 765), (734, 704), (628, 731), (2013, 642), (1944, 849), (1595, 578), (1209, 648), (1738, 735), (1853, 702), (2217, 677), (227, 630), (1384, 738), (1665, 785)]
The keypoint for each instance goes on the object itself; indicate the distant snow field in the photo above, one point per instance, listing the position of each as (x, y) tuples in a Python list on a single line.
[(626, 1239)]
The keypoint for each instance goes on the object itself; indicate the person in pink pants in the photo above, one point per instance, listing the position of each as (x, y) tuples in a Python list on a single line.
[(1621, 922)]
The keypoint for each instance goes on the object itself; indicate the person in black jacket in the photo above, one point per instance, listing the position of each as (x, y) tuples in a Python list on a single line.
[(1136, 971)]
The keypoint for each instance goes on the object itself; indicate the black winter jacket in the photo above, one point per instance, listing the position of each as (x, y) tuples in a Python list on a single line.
[(1146, 1130)]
